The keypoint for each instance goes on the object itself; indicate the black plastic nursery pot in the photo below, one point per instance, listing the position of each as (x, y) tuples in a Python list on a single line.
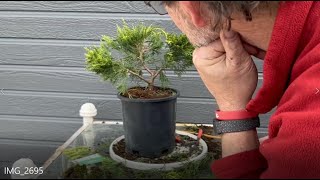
[(149, 125)]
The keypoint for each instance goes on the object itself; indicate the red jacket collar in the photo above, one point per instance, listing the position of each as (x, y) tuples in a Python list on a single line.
[(282, 54)]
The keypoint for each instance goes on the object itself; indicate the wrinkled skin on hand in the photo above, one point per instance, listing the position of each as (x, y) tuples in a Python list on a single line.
[(227, 70)]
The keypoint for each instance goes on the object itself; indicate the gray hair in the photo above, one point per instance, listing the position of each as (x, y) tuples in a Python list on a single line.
[(222, 10)]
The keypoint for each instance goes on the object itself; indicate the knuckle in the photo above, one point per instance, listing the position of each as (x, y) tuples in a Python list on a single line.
[(194, 60)]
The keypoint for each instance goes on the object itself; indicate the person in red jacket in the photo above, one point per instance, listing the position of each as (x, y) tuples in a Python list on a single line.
[(286, 35)]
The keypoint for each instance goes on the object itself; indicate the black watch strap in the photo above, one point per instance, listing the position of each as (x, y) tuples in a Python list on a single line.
[(227, 126)]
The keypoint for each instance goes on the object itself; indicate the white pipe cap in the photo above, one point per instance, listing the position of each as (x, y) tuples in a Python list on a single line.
[(21, 166), (88, 110)]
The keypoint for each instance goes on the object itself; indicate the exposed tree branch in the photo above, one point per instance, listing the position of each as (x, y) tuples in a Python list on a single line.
[(143, 63), (140, 77), (156, 74), (146, 68)]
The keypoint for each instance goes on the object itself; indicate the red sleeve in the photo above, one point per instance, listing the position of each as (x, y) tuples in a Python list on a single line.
[(293, 148), (249, 164)]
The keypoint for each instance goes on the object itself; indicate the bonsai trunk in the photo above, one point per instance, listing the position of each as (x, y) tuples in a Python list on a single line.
[(150, 87), (150, 82), (153, 77)]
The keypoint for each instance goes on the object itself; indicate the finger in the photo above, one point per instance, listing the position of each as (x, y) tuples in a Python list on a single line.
[(260, 55), (213, 50), (235, 53), (250, 49), (254, 51)]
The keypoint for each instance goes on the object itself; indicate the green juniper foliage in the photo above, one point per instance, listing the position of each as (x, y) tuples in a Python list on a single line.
[(139, 54)]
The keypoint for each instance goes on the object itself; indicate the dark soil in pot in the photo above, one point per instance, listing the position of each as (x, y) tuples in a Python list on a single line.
[(145, 93)]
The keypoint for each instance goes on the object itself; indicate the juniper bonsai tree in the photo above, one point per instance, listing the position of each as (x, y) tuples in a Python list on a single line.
[(139, 54)]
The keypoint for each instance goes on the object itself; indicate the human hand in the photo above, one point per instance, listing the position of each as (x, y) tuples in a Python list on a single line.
[(227, 70)]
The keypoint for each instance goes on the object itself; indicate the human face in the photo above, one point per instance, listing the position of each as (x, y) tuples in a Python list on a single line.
[(196, 20), (198, 36)]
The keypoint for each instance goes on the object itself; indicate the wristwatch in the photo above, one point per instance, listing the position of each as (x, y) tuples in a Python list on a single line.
[(237, 125)]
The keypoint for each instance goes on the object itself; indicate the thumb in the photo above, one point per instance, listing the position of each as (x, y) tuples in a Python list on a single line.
[(235, 53), (254, 51)]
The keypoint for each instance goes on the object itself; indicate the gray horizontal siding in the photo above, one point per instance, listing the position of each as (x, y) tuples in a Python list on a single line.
[(57, 53), (35, 128), (108, 106), (43, 80), (39, 150), (43, 52), (77, 6), (73, 26), (78, 80)]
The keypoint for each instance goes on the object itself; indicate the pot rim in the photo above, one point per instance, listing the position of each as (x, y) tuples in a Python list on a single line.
[(177, 93)]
